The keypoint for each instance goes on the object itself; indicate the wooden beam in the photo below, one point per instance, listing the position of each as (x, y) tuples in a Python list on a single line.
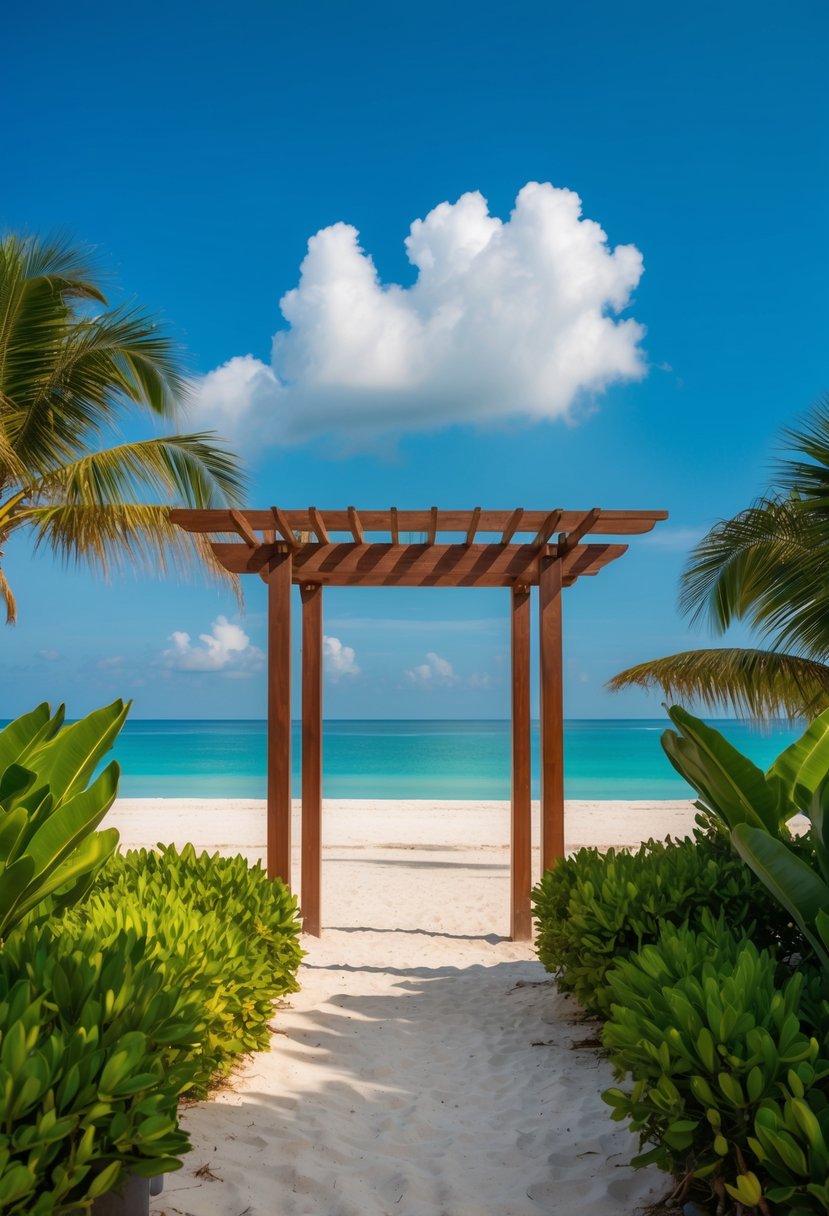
[(551, 728), (244, 529), (385, 565), (311, 759), (547, 529), (569, 540), (393, 527), (473, 526), (521, 817), (279, 718), (511, 526), (609, 523), (285, 526), (432, 530), (355, 526), (318, 526)]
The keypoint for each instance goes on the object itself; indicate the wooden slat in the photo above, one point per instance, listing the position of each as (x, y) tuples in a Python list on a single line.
[(551, 717), (473, 526), (356, 526), (312, 760), (610, 523), (244, 529), (432, 529), (279, 719), (318, 526), (286, 526), (521, 811), (512, 525), (385, 565), (393, 526), (569, 540), (547, 529)]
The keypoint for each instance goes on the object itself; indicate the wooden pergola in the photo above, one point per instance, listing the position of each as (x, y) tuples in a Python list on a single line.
[(394, 548)]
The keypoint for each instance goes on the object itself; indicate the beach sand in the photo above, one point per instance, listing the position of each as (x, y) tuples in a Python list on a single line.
[(428, 1067)]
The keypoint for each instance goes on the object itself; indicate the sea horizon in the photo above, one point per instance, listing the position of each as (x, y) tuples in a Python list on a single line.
[(417, 758)]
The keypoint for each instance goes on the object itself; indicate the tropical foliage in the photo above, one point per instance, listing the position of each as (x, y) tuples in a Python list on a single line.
[(216, 928), (49, 849), (766, 566), (73, 372)]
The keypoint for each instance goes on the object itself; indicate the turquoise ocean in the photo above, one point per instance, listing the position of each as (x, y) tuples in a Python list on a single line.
[(414, 759)]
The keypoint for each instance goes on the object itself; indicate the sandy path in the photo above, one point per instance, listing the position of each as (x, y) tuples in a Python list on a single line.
[(427, 1067)]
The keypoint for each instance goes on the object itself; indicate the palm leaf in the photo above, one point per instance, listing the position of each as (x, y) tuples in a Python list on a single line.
[(752, 683), (188, 468)]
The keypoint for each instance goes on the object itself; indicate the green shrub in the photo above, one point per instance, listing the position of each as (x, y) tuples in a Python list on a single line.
[(95, 1050), (595, 908), (217, 928), (728, 1085), (49, 849)]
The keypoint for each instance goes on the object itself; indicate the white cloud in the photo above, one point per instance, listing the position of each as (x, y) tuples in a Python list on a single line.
[(51, 656), (338, 660), (435, 670), (505, 318), (226, 648)]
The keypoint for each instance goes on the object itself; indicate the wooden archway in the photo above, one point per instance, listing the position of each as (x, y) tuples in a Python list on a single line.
[(392, 548)]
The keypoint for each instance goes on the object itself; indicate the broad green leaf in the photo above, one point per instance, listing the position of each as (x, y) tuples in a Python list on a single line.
[(803, 766), (88, 857), (70, 822), (14, 880), (728, 782), (21, 733), (68, 761), (791, 881)]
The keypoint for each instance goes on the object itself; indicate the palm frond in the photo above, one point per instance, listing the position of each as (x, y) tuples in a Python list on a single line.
[(751, 683), (7, 596), (188, 469), (118, 536)]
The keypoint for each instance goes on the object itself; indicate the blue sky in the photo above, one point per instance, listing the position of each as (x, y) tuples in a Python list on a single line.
[(199, 147)]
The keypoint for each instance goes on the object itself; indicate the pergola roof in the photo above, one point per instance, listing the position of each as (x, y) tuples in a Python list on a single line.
[(402, 548)]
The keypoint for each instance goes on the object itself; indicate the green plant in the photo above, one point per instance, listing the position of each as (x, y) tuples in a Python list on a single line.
[(95, 1051), (721, 1066), (755, 807), (595, 908), (72, 371), (736, 791), (48, 813), (767, 566), (216, 927)]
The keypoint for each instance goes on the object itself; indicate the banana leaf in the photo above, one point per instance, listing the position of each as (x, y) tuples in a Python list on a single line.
[(803, 766), (790, 880), (66, 762), (727, 782)]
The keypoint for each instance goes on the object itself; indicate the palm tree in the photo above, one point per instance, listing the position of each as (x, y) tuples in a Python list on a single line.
[(768, 566), (72, 371)]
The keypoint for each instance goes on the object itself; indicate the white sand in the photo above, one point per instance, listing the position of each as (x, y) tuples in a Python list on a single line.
[(428, 1067)]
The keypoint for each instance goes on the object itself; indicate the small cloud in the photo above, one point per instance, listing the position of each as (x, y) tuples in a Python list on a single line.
[(673, 540), (115, 660), (227, 648), (479, 679), (436, 670), (338, 660), (51, 656)]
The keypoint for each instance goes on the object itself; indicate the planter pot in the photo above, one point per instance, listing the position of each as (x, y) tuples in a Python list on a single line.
[(131, 1199)]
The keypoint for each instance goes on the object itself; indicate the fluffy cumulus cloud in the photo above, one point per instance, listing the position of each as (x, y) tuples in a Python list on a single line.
[(506, 318), (338, 660), (227, 648), (434, 671)]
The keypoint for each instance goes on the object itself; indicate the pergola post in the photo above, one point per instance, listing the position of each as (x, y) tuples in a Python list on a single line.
[(279, 718), (311, 758), (521, 820), (551, 725)]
